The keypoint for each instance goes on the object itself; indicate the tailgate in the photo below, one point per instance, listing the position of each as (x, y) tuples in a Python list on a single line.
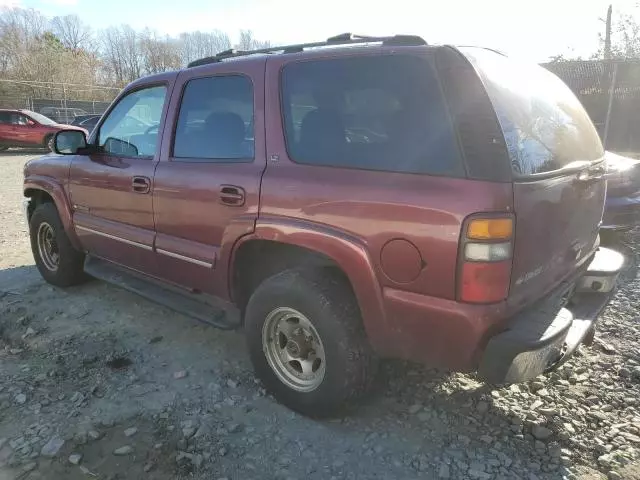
[(556, 231)]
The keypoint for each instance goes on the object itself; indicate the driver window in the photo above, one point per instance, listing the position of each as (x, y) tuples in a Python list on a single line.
[(18, 119), (131, 128)]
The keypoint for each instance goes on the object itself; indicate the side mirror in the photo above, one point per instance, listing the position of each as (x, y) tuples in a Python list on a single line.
[(68, 142), (117, 146)]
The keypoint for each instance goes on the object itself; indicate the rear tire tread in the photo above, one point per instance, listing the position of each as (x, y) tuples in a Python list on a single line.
[(331, 295)]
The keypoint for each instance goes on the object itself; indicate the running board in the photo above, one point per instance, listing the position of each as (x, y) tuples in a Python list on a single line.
[(196, 305)]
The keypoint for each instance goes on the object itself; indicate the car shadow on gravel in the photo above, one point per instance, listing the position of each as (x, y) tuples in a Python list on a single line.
[(13, 281)]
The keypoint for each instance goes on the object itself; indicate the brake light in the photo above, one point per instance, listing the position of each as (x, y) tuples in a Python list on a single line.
[(486, 253)]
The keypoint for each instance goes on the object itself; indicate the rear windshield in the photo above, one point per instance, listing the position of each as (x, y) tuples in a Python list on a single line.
[(375, 113), (544, 124)]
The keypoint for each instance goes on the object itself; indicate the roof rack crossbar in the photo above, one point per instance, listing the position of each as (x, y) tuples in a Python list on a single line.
[(342, 39)]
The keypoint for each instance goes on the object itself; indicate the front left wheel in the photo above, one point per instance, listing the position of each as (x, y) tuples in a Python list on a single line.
[(307, 342), (57, 260)]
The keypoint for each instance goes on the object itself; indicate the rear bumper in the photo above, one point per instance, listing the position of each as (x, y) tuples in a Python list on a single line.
[(542, 338)]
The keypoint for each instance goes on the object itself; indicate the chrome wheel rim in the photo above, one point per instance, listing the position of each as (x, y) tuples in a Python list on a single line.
[(48, 247), (293, 349)]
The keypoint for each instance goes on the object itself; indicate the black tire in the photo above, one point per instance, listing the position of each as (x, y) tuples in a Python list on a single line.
[(327, 301), (70, 264), (48, 143)]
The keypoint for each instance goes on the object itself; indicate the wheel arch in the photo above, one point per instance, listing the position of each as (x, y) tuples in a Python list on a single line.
[(42, 190), (275, 247)]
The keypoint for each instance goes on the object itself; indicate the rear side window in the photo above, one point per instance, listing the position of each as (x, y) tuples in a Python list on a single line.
[(5, 117), (376, 113), (545, 126), (215, 123)]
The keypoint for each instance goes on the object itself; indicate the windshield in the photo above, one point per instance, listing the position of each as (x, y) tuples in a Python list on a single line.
[(544, 124), (40, 118)]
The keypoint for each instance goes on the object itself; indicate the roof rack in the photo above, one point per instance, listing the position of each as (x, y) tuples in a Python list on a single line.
[(342, 39)]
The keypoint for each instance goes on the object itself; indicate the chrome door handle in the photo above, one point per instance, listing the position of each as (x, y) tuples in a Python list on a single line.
[(141, 184)]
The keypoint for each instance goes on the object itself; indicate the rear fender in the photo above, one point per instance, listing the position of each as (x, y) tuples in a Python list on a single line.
[(56, 192), (347, 252)]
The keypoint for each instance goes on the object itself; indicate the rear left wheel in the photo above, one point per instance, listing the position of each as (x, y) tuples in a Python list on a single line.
[(307, 342)]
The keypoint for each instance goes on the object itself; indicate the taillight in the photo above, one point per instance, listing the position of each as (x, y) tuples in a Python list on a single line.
[(485, 259)]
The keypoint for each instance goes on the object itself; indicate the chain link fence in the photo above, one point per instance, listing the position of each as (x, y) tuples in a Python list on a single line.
[(610, 92), (60, 102)]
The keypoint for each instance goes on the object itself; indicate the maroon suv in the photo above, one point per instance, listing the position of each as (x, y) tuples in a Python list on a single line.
[(347, 200)]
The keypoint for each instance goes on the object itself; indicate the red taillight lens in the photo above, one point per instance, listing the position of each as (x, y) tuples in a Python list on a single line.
[(484, 282), (486, 250)]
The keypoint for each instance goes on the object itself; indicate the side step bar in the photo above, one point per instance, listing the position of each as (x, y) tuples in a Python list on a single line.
[(199, 306)]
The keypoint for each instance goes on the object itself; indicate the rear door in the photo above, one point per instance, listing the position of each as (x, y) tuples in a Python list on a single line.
[(20, 128), (207, 183), (557, 163)]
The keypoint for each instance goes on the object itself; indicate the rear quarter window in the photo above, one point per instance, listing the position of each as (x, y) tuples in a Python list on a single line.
[(545, 126), (376, 113)]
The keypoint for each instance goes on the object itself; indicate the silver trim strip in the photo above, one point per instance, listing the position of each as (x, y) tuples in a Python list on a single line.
[(113, 237), (182, 257)]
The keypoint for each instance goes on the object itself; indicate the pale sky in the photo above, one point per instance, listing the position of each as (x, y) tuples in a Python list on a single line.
[(534, 29)]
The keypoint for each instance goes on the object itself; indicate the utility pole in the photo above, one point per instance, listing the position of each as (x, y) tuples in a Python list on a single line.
[(607, 35)]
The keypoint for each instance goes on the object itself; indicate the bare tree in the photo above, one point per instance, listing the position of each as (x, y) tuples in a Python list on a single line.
[(19, 29), (248, 41), (73, 32), (622, 37), (159, 53), (44, 57), (195, 45), (121, 54)]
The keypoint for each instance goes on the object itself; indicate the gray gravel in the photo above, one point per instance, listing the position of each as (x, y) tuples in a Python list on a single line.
[(81, 369)]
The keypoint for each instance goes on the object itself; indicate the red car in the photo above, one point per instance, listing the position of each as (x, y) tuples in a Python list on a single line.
[(24, 128), (384, 199)]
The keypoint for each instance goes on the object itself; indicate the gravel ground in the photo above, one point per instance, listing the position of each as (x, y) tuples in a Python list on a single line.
[(99, 383)]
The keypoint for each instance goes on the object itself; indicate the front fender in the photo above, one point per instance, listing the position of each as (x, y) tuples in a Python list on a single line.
[(48, 185), (346, 251)]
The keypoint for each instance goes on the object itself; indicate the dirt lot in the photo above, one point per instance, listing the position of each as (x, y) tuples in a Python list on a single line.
[(98, 383)]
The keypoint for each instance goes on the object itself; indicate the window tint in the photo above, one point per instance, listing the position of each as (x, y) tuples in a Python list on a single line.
[(544, 125), (378, 113), (215, 122), (131, 128), (5, 117)]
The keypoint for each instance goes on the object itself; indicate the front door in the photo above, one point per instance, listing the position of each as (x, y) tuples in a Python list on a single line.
[(207, 183), (111, 189), (23, 129)]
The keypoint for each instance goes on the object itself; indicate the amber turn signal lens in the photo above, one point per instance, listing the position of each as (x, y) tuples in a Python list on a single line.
[(490, 229)]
